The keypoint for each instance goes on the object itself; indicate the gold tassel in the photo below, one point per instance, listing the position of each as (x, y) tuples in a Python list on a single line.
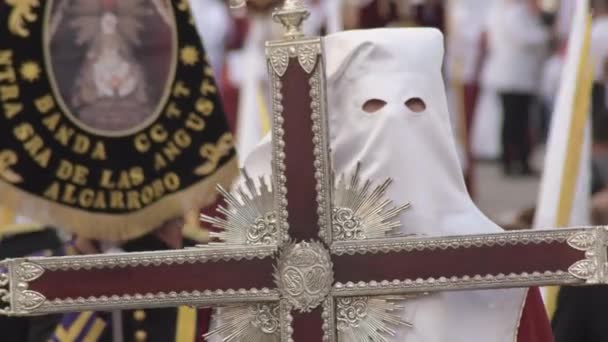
[(192, 228), (7, 217)]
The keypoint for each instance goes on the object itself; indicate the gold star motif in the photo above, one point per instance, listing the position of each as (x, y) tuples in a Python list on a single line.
[(189, 55), (30, 71)]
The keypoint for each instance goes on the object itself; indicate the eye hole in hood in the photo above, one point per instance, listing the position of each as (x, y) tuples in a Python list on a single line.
[(373, 105), (416, 105)]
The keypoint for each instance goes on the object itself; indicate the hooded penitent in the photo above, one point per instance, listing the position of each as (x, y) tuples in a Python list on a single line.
[(387, 110)]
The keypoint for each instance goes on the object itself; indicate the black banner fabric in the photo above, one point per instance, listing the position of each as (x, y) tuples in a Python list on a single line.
[(110, 120)]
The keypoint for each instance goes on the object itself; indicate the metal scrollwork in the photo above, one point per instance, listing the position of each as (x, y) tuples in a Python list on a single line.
[(249, 217), (291, 16), (584, 269), (350, 311), (582, 241), (259, 322), (279, 180), (279, 59), (368, 318), (358, 212), (5, 299), (234, 4), (321, 145), (304, 275), (361, 213), (15, 297), (306, 52), (264, 230), (29, 300), (594, 268), (28, 271), (266, 318), (307, 56), (346, 226)]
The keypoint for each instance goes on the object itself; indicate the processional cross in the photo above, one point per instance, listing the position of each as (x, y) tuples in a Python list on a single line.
[(293, 256)]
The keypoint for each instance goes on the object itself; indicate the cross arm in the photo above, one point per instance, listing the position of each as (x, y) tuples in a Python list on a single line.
[(300, 163), (199, 276), (574, 256)]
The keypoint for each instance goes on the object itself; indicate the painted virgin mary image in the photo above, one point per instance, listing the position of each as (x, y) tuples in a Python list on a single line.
[(111, 59)]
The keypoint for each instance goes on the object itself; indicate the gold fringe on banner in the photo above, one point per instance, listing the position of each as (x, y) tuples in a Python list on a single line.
[(120, 227)]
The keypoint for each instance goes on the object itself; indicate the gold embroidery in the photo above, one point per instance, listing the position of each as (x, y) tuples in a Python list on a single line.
[(71, 334), (181, 90), (189, 55), (213, 153), (12, 109), (44, 103), (207, 87), (183, 5), (195, 122), (95, 331), (22, 14), (204, 106), (141, 336), (9, 158), (126, 191), (139, 315), (30, 71), (9, 92), (173, 111), (128, 225), (7, 73)]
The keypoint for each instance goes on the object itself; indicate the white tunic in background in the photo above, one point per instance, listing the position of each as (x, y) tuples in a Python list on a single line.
[(213, 25), (467, 22), (565, 15), (599, 46), (518, 44)]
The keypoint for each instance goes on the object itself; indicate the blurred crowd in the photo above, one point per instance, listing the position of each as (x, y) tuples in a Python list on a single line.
[(503, 65)]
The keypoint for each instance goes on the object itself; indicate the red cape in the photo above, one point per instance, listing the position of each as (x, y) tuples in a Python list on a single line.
[(534, 325)]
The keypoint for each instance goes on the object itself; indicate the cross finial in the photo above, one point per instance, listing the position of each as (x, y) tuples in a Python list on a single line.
[(234, 4), (291, 16)]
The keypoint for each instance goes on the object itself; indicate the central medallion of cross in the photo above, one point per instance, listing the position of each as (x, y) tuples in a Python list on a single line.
[(304, 259)]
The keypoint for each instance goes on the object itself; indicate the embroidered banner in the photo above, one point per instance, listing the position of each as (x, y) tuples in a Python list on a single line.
[(110, 120)]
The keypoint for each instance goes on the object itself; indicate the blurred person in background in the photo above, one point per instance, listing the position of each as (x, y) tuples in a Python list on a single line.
[(518, 40), (465, 52), (364, 14), (214, 26), (245, 85), (550, 81), (599, 54)]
